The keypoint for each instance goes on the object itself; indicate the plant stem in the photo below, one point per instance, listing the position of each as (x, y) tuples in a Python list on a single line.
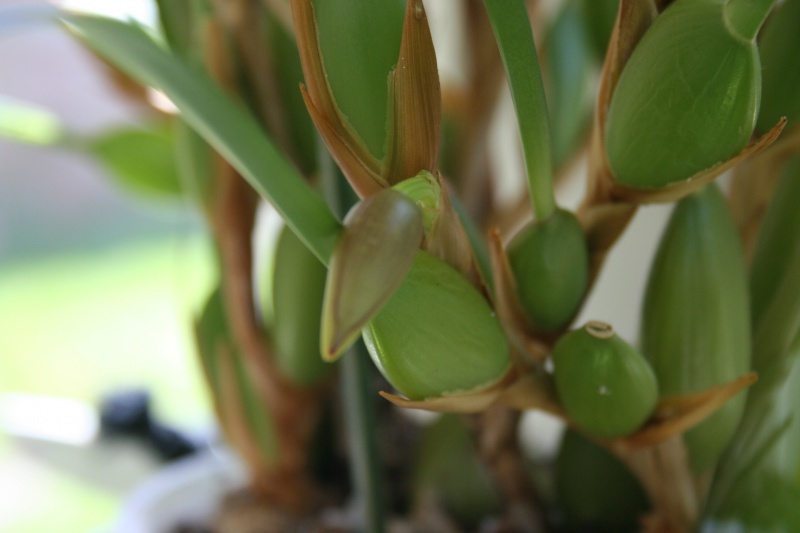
[(515, 40), (359, 410), (745, 17)]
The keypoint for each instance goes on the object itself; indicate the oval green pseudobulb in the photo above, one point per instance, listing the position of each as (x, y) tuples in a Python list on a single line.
[(687, 98), (550, 262), (781, 67), (447, 465), (696, 323), (437, 334), (594, 490), (298, 289), (604, 384)]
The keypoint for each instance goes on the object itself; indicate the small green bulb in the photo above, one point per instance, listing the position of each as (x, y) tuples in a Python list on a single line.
[(437, 334), (550, 262), (687, 99), (605, 385)]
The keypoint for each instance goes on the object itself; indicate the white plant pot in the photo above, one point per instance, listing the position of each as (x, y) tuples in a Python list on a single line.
[(186, 492)]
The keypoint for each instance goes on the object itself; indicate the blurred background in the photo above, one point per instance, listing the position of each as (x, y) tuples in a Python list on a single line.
[(98, 285), (97, 288)]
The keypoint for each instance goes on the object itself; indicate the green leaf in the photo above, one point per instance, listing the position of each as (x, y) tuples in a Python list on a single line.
[(515, 39), (28, 123), (360, 42), (142, 160), (232, 131)]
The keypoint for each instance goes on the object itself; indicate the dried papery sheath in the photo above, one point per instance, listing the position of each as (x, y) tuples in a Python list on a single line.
[(437, 335), (686, 100), (696, 322), (381, 237), (415, 101), (606, 387)]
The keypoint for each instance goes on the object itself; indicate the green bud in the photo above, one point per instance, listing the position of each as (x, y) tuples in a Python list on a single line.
[(298, 288), (437, 334), (423, 190), (594, 490), (781, 67), (447, 465), (377, 247), (605, 385), (550, 262), (695, 322), (686, 100)]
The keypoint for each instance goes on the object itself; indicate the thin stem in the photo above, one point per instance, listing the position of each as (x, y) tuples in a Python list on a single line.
[(745, 17), (365, 468), (514, 37)]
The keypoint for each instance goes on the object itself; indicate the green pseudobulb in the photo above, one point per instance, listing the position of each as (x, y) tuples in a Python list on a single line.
[(605, 385), (594, 490), (447, 465), (550, 262), (687, 98), (696, 322), (298, 289), (437, 334)]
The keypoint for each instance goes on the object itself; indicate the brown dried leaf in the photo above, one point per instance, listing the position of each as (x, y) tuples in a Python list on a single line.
[(533, 390), (459, 402), (381, 237), (415, 101), (677, 414), (448, 240), (361, 168)]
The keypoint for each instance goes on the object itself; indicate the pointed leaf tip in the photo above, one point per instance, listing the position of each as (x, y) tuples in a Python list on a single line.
[(381, 237)]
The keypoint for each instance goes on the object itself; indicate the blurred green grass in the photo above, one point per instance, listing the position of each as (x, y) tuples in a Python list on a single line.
[(83, 324)]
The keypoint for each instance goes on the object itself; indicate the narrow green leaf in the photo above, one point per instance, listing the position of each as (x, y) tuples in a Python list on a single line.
[(515, 40), (225, 125)]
